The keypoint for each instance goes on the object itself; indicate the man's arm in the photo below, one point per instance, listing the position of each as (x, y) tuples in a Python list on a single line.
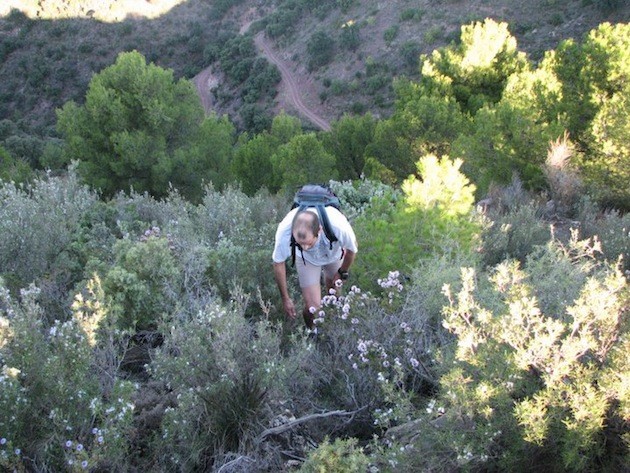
[(280, 274), (348, 259)]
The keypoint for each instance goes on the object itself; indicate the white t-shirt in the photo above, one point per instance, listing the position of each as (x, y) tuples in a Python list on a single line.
[(320, 254)]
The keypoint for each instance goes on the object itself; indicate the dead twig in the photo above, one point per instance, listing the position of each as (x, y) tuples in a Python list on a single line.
[(289, 425)]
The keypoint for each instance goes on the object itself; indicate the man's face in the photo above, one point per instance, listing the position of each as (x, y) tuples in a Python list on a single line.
[(306, 240)]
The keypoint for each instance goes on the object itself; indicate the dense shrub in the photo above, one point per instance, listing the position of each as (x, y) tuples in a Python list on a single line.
[(60, 402), (522, 390), (434, 216), (38, 224)]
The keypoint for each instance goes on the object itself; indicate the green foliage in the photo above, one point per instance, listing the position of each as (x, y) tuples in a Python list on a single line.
[(349, 37), (207, 160), (55, 407), (223, 372), (390, 34), (341, 455), (13, 170), (430, 123), (347, 141), (252, 163), (38, 224), (412, 14), (410, 54), (434, 217), (523, 386), (607, 169), (475, 71), (144, 283), (505, 141), (591, 72), (512, 234), (136, 118), (303, 159), (320, 49)]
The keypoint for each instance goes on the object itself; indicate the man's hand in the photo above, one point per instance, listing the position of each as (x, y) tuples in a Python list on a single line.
[(289, 308)]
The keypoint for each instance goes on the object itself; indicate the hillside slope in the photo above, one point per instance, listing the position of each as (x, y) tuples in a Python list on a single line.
[(44, 63)]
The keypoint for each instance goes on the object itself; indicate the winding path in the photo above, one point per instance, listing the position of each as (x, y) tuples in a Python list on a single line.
[(293, 91), (206, 79)]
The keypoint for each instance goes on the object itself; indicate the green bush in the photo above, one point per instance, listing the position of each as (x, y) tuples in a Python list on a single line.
[(60, 401), (522, 390), (433, 217), (320, 49), (145, 282), (390, 34), (341, 455)]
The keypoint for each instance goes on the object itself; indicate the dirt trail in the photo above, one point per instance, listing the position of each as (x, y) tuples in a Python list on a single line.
[(290, 94), (289, 85), (204, 82)]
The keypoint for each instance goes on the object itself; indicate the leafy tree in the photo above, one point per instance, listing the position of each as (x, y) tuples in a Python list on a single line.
[(207, 159), (505, 141), (607, 168), (591, 73), (389, 154), (433, 217), (135, 119), (321, 49), (252, 163), (474, 71), (303, 159), (285, 127), (12, 169), (347, 141)]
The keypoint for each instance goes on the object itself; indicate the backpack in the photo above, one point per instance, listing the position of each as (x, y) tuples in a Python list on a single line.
[(319, 197)]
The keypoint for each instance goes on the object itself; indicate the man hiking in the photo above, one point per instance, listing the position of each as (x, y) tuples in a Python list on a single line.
[(301, 235)]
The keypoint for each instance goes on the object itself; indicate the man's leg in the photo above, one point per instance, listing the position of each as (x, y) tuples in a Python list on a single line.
[(309, 276), (312, 299), (331, 275)]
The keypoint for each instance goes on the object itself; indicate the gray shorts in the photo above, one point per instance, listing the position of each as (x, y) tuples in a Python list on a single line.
[(310, 274)]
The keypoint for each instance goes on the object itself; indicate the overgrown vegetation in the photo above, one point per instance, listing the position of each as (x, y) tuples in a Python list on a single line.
[(485, 324)]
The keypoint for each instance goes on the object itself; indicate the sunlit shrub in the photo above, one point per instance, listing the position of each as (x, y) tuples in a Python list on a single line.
[(434, 216), (341, 455), (523, 388)]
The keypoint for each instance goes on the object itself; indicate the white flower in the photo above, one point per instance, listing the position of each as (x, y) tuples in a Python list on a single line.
[(79, 447), (312, 309), (84, 464), (68, 443), (414, 362), (3, 441)]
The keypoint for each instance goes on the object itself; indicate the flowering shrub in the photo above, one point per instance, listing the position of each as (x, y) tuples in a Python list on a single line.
[(223, 371), (374, 351), (528, 388), (51, 392), (38, 225)]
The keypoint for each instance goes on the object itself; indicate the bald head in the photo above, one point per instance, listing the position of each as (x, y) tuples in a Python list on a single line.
[(305, 225)]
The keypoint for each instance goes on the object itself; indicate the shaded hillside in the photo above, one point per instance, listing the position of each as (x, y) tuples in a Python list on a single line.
[(44, 63)]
